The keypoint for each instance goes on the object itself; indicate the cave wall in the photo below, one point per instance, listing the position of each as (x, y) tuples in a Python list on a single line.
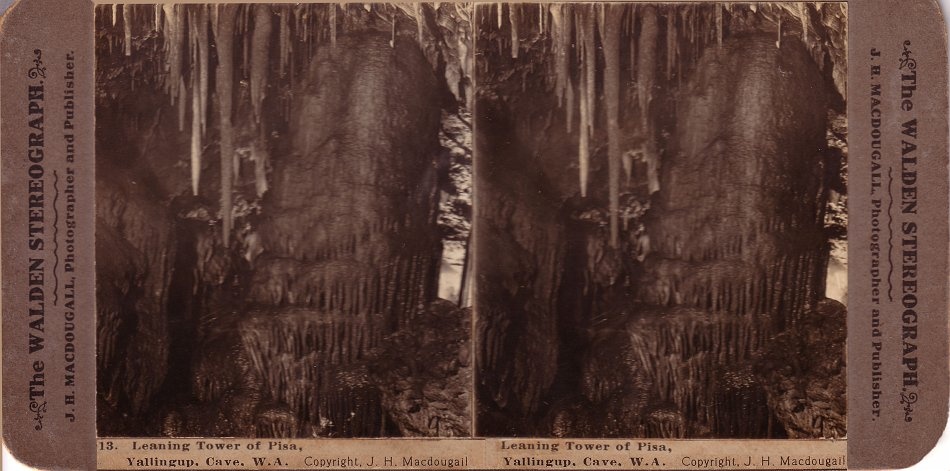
[(521, 248), (136, 245), (131, 295)]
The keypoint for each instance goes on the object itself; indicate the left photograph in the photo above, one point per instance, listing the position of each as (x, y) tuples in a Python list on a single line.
[(283, 207)]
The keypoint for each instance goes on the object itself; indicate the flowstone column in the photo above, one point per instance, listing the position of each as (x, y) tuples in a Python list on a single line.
[(738, 246), (350, 244)]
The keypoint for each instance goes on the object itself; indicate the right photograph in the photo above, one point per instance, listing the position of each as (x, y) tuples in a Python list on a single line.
[(660, 227)]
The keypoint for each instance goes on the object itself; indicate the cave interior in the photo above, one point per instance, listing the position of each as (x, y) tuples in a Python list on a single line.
[(283, 216), (668, 185), (657, 234)]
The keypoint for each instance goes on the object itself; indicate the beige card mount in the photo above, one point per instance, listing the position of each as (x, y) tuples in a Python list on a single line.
[(571, 235)]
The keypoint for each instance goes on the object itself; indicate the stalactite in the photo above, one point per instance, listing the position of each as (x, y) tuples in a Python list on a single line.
[(392, 40), (224, 81), (500, 14), (182, 102), (203, 63), (127, 27), (601, 9), (562, 25), (691, 15), (464, 70), (174, 37), (514, 17), (646, 60), (803, 15), (583, 144), (611, 42), (631, 27), (590, 53), (678, 47), (418, 16), (581, 59), (115, 13), (333, 25), (670, 43), (719, 24), (299, 13), (778, 39), (246, 49), (284, 46), (259, 57), (195, 135), (541, 16)]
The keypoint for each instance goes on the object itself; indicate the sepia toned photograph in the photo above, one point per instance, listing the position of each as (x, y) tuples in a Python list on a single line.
[(630, 234), (662, 189), (283, 211)]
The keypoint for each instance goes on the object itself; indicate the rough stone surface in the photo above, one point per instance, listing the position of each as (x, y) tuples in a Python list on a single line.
[(427, 373), (804, 374)]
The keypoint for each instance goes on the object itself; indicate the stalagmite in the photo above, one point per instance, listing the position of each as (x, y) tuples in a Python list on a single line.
[(611, 35), (224, 80), (653, 169), (260, 157), (127, 27), (259, 57), (626, 159), (514, 17)]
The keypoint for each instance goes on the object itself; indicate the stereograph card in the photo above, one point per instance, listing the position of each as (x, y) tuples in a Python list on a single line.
[(518, 235)]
